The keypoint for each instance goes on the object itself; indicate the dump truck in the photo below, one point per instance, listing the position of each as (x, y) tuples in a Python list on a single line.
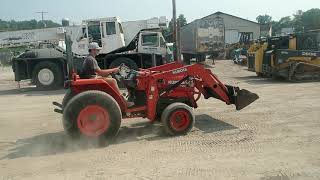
[(202, 37), (138, 44)]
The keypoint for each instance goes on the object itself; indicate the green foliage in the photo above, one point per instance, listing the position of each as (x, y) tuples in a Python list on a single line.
[(26, 25), (264, 19), (182, 20), (311, 19), (301, 21), (168, 31)]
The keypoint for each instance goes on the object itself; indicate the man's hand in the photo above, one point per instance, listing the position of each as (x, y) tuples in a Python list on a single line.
[(116, 70)]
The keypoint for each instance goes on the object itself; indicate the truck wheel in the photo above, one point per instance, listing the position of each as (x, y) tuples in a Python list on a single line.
[(201, 58), (93, 114), (67, 97), (178, 119), (186, 59), (47, 76), (123, 60)]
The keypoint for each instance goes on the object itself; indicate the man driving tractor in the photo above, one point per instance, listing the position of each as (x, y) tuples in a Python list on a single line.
[(91, 69)]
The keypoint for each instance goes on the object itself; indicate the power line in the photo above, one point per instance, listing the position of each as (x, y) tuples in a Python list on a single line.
[(42, 16)]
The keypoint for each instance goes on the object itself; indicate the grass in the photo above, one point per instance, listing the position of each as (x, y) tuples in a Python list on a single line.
[(14, 49)]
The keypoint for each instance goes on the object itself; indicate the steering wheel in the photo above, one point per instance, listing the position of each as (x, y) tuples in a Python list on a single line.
[(126, 73)]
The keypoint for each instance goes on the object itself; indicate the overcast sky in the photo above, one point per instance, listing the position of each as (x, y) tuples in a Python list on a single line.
[(76, 10)]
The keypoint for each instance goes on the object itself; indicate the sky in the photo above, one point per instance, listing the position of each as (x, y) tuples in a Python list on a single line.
[(77, 10)]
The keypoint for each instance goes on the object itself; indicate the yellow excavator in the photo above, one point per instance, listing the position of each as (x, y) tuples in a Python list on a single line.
[(293, 57)]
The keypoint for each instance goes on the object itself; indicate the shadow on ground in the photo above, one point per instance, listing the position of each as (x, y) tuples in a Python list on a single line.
[(30, 91), (58, 143), (260, 80), (207, 124)]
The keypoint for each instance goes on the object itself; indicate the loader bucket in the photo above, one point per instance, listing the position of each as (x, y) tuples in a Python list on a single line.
[(243, 98)]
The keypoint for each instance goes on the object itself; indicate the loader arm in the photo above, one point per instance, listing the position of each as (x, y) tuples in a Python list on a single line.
[(210, 86)]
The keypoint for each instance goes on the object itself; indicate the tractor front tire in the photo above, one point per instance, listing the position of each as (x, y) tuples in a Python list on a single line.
[(47, 76), (92, 114), (178, 119)]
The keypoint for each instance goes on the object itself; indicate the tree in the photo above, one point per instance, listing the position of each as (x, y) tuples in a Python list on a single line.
[(286, 22), (264, 19), (25, 25), (311, 19), (182, 20), (168, 31), (297, 21)]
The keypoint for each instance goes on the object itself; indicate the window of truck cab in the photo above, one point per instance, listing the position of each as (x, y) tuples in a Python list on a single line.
[(150, 40), (111, 28)]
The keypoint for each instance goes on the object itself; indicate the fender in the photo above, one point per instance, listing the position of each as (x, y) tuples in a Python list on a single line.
[(82, 85)]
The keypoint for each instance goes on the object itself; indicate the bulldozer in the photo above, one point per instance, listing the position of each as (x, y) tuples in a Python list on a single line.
[(294, 57)]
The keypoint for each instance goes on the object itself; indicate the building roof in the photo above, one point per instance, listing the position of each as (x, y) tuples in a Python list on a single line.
[(218, 13)]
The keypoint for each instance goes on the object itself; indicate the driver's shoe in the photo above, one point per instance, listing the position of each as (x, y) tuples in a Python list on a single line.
[(130, 104)]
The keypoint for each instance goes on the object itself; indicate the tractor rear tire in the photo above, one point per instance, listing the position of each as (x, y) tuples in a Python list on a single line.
[(47, 76), (177, 119), (92, 114)]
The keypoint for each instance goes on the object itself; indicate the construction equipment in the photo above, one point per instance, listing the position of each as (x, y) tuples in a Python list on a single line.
[(168, 93), (238, 51), (240, 56), (295, 65), (294, 57), (138, 44), (256, 52)]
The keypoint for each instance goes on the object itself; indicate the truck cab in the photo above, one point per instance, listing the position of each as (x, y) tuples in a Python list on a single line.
[(107, 32), (110, 35), (152, 42)]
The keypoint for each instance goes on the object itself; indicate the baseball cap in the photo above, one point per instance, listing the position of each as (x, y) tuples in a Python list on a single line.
[(94, 45)]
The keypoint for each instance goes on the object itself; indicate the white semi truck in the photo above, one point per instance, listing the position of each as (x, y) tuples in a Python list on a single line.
[(138, 44)]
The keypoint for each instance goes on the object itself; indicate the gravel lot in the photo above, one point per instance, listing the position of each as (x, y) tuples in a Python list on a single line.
[(276, 138)]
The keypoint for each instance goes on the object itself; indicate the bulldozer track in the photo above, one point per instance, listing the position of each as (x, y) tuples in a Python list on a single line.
[(293, 74)]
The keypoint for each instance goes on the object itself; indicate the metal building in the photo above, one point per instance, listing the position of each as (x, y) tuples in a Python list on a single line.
[(236, 27)]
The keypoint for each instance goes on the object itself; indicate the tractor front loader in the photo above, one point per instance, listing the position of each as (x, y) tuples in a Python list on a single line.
[(166, 93)]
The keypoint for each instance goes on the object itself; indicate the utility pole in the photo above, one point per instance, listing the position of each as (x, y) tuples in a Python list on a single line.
[(174, 29), (42, 17), (176, 33)]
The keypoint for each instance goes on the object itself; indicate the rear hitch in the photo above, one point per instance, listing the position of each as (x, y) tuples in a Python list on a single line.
[(59, 107)]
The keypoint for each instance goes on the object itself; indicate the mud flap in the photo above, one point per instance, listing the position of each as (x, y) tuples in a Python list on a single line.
[(243, 98)]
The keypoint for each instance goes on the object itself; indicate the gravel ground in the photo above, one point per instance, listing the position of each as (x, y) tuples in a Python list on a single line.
[(276, 138)]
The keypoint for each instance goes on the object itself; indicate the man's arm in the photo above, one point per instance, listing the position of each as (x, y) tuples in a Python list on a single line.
[(106, 72)]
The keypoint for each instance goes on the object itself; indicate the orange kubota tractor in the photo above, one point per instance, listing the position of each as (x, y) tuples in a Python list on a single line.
[(166, 93)]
